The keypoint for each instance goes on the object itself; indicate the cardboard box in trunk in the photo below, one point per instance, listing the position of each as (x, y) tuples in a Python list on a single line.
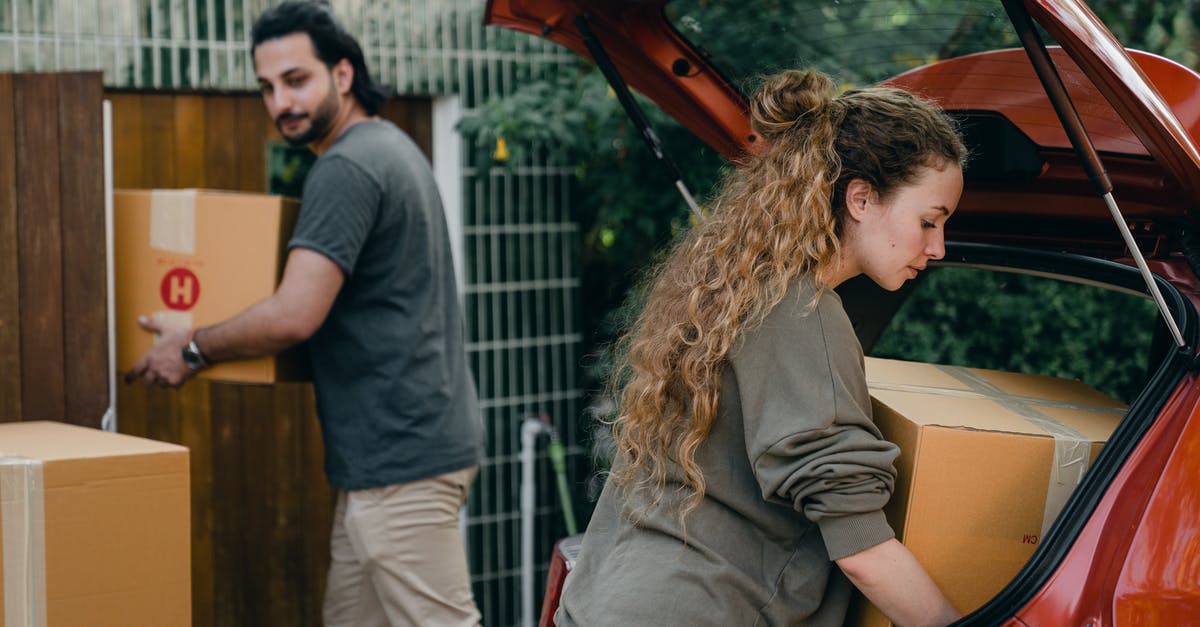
[(987, 461), (96, 528), (197, 257)]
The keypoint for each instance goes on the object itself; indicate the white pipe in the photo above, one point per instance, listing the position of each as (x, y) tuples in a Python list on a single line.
[(109, 421), (530, 429)]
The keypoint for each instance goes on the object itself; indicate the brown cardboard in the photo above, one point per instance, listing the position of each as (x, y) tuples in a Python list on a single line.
[(974, 472), (198, 257), (115, 525)]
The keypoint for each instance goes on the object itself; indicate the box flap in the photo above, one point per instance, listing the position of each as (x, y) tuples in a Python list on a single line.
[(991, 400), (54, 441)]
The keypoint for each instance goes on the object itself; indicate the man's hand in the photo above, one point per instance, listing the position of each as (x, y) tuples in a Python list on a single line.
[(162, 365)]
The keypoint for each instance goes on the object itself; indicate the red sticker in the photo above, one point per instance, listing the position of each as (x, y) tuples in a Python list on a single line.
[(180, 289)]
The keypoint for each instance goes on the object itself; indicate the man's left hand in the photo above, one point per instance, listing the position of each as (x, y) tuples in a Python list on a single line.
[(163, 365)]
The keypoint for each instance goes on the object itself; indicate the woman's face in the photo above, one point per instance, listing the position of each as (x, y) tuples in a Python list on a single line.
[(892, 239)]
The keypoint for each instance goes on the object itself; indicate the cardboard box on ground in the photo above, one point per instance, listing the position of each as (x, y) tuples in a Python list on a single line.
[(987, 460), (197, 257), (96, 528)]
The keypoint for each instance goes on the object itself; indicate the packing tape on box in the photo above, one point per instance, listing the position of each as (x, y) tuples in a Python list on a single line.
[(23, 541), (1072, 450), (173, 220)]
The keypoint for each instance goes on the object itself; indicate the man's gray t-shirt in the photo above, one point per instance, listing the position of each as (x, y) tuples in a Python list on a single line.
[(394, 394)]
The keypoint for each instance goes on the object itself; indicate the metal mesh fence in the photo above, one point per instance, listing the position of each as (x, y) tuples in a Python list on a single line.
[(520, 242)]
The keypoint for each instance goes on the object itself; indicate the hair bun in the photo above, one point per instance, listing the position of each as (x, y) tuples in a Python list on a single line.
[(787, 98)]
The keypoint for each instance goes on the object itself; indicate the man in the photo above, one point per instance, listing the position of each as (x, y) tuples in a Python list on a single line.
[(369, 283)]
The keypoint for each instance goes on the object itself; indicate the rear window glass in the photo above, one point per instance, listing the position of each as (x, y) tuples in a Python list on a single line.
[(1022, 323), (860, 42)]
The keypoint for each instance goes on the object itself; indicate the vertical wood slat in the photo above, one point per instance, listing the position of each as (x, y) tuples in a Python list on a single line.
[(254, 129), (220, 154), (127, 141), (229, 558), (10, 297), (39, 225), (189, 141), (158, 140), (84, 303)]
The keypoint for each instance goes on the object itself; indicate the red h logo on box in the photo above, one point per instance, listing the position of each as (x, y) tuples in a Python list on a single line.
[(180, 289)]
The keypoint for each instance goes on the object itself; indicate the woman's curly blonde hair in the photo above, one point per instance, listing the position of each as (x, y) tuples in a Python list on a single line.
[(775, 219)]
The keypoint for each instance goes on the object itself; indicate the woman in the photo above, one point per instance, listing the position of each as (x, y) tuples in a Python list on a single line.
[(748, 464)]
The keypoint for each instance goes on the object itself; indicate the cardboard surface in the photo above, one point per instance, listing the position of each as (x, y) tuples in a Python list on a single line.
[(115, 526), (981, 472), (197, 257)]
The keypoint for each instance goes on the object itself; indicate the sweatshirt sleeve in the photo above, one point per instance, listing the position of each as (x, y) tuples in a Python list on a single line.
[(807, 416)]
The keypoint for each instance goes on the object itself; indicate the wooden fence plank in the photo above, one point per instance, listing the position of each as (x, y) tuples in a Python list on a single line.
[(255, 129), (39, 221), (197, 435), (318, 500), (81, 190), (190, 137), (220, 147), (128, 145), (231, 476), (10, 275), (158, 141)]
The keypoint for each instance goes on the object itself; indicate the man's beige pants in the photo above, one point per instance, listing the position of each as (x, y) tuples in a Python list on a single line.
[(398, 556)]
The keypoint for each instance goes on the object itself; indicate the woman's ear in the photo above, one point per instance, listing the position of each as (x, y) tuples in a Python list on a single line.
[(858, 194)]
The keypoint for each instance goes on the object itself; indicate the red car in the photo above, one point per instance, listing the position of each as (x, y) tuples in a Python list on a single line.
[(1084, 173)]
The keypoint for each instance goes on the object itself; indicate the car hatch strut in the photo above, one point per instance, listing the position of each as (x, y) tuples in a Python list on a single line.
[(634, 111), (1069, 117)]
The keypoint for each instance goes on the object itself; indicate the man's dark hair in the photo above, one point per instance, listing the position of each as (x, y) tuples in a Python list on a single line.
[(330, 39)]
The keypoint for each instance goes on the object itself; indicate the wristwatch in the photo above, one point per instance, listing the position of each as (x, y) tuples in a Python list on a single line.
[(193, 357)]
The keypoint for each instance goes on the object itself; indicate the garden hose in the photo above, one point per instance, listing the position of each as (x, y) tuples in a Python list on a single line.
[(554, 450)]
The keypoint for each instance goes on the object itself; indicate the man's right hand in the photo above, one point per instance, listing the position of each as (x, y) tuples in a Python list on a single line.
[(163, 365)]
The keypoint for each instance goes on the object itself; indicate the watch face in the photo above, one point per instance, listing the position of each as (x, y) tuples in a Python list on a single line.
[(192, 359)]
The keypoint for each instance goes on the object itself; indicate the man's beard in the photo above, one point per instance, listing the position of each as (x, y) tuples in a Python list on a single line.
[(320, 122)]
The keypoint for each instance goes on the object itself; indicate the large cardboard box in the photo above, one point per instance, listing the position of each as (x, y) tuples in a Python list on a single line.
[(197, 257), (95, 528), (987, 461)]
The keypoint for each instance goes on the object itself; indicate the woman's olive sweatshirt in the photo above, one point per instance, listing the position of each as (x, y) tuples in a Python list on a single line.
[(796, 476)]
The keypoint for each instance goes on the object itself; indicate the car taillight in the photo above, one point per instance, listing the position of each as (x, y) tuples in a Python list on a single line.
[(566, 551)]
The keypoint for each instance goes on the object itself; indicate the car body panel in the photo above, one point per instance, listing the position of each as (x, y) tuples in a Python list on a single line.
[(1003, 81), (1160, 580), (1126, 87), (1083, 588)]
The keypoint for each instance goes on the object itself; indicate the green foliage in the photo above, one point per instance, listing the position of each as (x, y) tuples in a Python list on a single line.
[(1164, 28), (1021, 323), (859, 42), (624, 201)]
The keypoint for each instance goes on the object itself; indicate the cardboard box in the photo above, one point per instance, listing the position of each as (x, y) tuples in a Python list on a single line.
[(987, 461), (198, 257), (96, 528)]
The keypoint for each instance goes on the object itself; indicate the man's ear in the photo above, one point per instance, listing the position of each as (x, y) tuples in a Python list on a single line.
[(858, 194), (343, 76)]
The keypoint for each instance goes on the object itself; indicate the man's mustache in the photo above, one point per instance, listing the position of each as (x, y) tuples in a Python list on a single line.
[(284, 117)]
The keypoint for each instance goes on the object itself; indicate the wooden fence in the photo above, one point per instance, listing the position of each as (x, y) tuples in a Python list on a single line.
[(53, 337)]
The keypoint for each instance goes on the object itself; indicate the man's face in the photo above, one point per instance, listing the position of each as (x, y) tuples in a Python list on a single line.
[(299, 91)]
